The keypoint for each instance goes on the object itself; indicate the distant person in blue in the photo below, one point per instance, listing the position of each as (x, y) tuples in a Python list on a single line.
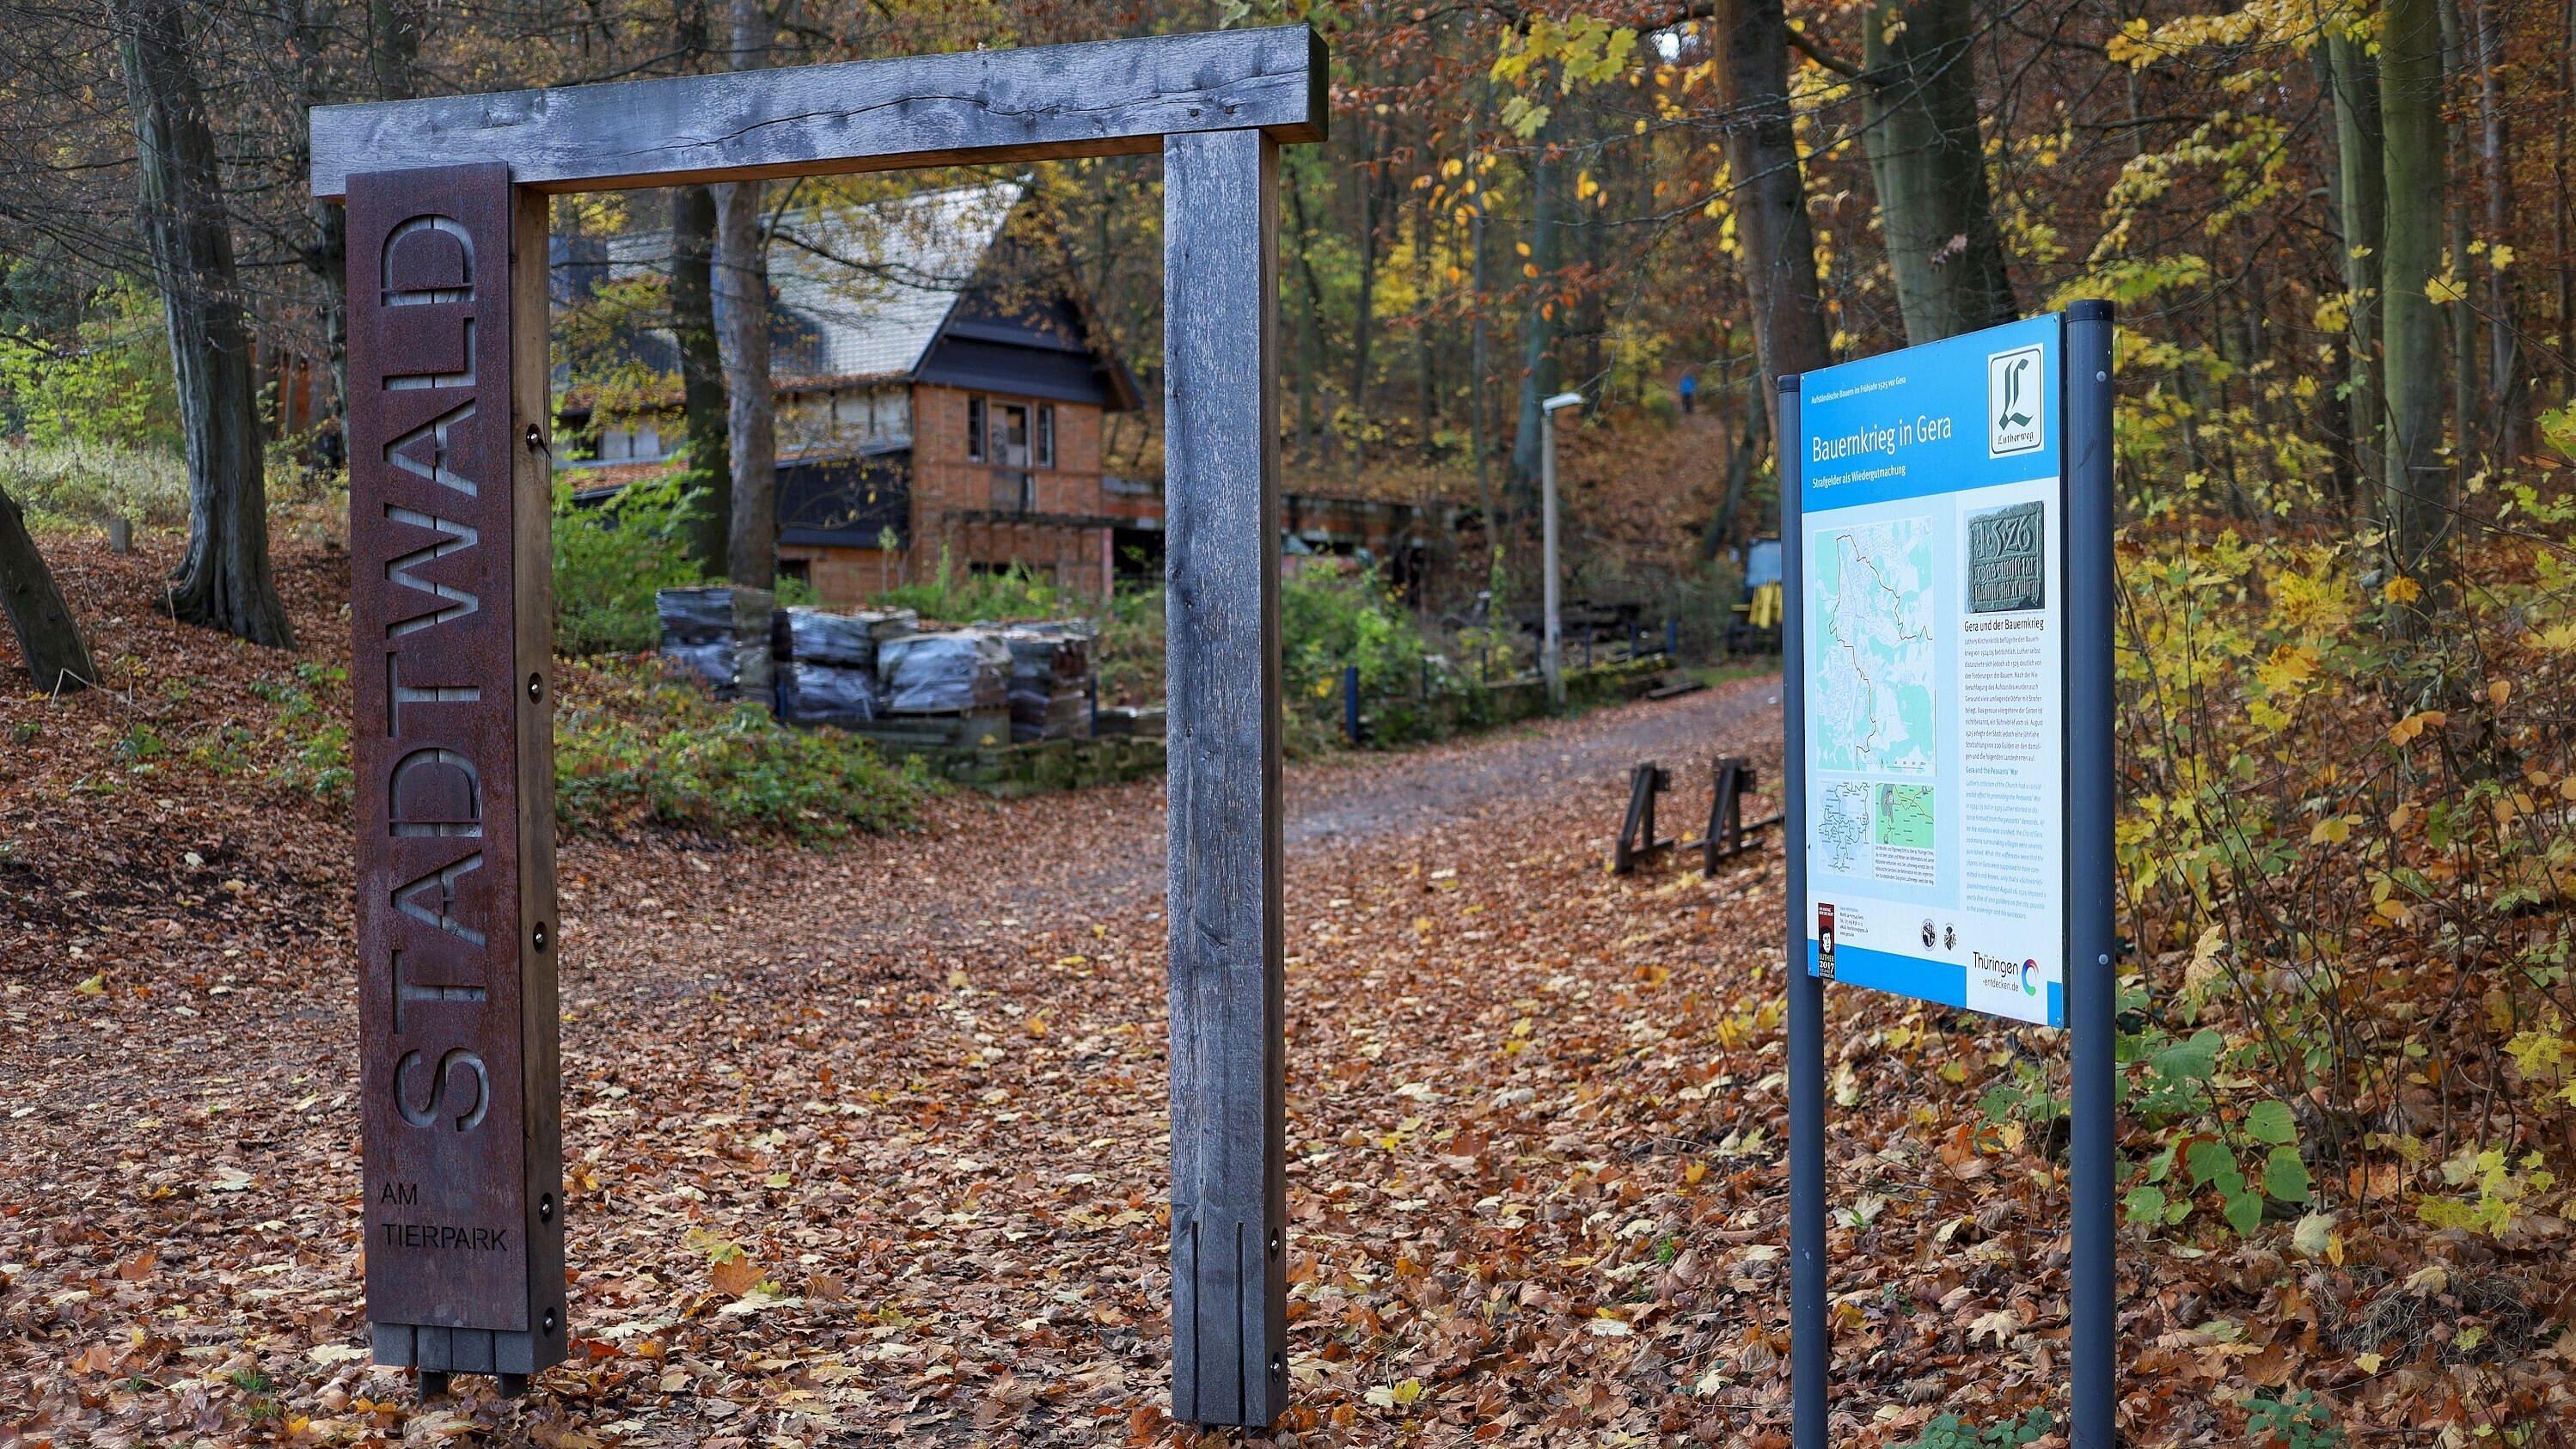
[(1689, 389)]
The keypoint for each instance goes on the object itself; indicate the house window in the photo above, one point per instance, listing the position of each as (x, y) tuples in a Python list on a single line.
[(635, 443), (1004, 434), (1009, 444)]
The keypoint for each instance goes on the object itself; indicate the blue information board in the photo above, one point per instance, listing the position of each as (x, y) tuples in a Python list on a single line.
[(1930, 535)]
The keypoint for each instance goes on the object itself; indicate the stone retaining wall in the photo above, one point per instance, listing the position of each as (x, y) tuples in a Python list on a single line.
[(1041, 766)]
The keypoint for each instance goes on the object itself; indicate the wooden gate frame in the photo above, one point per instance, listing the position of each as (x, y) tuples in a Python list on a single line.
[(452, 606)]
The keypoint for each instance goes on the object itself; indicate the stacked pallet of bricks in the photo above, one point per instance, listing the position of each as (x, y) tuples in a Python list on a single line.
[(827, 663), (720, 635), (948, 689), (1050, 681), (876, 672)]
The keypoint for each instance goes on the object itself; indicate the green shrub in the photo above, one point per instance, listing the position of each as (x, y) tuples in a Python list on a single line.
[(964, 597), (2300, 1422), (610, 558), (1952, 1432), (1330, 621), (304, 749), (63, 484), (1128, 655), (108, 383), (636, 747)]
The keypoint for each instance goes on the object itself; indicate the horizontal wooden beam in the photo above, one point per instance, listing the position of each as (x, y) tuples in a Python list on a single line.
[(1100, 98)]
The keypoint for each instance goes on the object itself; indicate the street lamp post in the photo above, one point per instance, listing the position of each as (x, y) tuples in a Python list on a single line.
[(1552, 651)]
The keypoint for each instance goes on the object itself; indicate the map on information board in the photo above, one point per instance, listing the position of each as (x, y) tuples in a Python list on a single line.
[(1930, 507), (1871, 662)]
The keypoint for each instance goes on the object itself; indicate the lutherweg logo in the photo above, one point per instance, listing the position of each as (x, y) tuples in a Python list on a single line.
[(2015, 399)]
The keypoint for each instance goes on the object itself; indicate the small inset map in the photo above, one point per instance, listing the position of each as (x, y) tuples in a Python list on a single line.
[(1870, 666), (1905, 818), (1843, 829)]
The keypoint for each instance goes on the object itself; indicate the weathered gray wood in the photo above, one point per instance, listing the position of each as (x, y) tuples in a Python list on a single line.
[(1099, 98), (549, 1335), (1229, 1198)]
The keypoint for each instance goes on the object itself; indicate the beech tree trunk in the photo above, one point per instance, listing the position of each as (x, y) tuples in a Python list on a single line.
[(2362, 201), (1373, 198), (702, 375), (1426, 307), (306, 25), (2566, 230), (1539, 327), (1311, 442), (2469, 436), (47, 636), (742, 281), (393, 47), (223, 582), (1743, 456), (2417, 480), (2505, 371), (1771, 222), (1928, 162)]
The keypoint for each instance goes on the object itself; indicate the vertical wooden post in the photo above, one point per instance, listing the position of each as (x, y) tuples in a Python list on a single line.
[(1229, 1198), (451, 625)]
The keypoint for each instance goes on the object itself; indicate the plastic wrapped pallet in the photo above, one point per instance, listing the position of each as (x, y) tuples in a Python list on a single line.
[(951, 673), (1050, 681), (817, 636), (719, 635), (735, 671), (812, 693), (707, 615), (1058, 651), (884, 624)]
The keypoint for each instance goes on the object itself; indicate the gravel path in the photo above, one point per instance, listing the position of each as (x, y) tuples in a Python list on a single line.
[(1419, 789), (1344, 800)]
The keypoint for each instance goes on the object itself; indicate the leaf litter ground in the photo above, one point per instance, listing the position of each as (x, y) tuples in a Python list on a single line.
[(867, 1144)]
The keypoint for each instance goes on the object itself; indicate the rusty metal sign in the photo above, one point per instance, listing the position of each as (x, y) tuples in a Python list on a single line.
[(464, 1220)]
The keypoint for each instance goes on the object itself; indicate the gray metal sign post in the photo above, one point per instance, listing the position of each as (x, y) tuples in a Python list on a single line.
[(1810, 1353), (450, 493), (1935, 511), (2093, 1004)]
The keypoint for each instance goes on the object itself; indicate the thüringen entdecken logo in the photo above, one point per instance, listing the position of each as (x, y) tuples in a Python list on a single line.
[(2014, 402), (2003, 971)]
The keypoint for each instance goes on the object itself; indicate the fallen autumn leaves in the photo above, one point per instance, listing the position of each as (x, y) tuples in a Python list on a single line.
[(869, 1142)]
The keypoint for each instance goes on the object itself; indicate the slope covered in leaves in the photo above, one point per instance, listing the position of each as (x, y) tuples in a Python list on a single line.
[(868, 1141)]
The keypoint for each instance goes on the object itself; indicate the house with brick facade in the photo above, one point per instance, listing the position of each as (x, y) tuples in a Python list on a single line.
[(943, 390), (941, 385)]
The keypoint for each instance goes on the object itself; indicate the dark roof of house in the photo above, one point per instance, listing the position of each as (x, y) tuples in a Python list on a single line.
[(939, 287)]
